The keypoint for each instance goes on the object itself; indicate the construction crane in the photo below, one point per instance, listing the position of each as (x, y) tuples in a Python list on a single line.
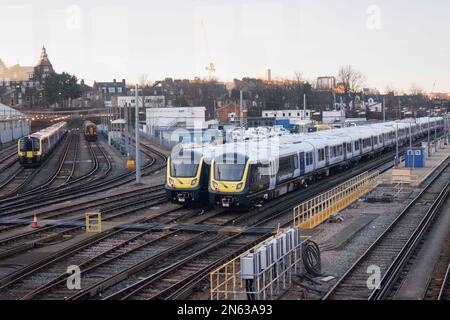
[(210, 67)]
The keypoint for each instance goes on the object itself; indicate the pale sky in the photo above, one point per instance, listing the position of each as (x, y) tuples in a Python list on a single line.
[(394, 43)]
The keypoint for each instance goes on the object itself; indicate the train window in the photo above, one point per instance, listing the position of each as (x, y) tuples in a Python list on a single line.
[(356, 145), (321, 154), (309, 158), (183, 170), (229, 171), (349, 147), (25, 145), (295, 161), (284, 164)]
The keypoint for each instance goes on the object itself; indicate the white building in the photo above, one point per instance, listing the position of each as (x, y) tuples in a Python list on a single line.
[(150, 101), (294, 116), (184, 117), (329, 117), (265, 75), (13, 124)]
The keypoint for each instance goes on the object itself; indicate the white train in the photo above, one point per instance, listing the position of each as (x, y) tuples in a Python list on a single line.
[(247, 172), (35, 148)]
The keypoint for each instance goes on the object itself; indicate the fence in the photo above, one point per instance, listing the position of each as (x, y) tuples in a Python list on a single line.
[(313, 212)]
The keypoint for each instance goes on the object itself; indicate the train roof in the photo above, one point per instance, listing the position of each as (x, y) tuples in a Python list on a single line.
[(48, 131), (274, 147)]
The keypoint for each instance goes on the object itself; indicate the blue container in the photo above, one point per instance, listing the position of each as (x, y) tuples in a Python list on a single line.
[(283, 122), (415, 157)]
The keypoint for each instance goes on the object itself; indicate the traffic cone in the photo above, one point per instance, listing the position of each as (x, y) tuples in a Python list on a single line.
[(35, 224)]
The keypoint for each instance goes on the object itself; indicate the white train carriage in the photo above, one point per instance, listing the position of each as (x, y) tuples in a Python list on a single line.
[(247, 172), (35, 148)]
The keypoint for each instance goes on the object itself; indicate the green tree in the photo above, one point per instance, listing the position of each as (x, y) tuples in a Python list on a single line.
[(60, 87)]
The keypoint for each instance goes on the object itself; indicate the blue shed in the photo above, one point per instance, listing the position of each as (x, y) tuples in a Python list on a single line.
[(415, 157)]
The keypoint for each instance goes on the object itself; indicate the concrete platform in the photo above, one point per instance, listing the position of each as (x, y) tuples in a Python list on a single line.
[(416, 176)]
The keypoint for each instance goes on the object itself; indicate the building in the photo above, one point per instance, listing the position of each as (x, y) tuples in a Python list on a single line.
[(253, 122), (175, 117), (150, 101), (24, 85), (230, 113), (110, 89), (13, 124), (293, 116), (330, 117), (325, 83), (265, 75)]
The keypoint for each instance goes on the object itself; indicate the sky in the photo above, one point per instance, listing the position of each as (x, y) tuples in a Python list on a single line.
[(394, 43)]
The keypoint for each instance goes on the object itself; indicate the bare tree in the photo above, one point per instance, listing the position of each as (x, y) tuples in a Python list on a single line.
[(351, 81), (416, 90)]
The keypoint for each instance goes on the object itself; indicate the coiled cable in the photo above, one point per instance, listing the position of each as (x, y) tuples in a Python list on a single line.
[(311, 258)]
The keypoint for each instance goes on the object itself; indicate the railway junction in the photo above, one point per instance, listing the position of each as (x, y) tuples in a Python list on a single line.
[(377, 230)]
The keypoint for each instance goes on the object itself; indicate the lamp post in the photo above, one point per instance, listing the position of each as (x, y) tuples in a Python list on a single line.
[(137, 138)]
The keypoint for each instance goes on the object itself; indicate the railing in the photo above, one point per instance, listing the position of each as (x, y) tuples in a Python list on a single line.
[(313, 212), (267, 283)]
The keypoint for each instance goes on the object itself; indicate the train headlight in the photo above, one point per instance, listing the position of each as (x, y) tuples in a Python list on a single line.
[(239, 185), (194, 181), (215, 185)]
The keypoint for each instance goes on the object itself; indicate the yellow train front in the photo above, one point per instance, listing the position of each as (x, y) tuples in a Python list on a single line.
[(90, 131), (30, 151), (229, 183), (187, 177), (33, 149)]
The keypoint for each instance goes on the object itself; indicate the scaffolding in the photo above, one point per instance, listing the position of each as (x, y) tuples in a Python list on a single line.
[(313, 212)]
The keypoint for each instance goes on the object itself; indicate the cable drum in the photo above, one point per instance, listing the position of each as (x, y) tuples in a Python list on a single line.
[(311, 258)]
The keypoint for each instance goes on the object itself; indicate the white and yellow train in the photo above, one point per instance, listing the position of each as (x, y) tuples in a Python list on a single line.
[(35, 148), (245, 173)]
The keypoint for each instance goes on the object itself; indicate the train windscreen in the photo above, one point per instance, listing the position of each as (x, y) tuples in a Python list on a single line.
[(179, 169), (228, 171), (29, 144)]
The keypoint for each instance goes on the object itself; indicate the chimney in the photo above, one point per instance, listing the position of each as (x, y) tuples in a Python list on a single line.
[(114, 80)]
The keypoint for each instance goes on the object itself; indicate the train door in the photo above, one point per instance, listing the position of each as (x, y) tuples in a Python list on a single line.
[(344, 147), (327, 155), (302, 163), (360, 146)]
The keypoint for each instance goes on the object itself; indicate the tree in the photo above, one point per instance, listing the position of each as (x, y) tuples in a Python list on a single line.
[(59, 87), (351, 81)]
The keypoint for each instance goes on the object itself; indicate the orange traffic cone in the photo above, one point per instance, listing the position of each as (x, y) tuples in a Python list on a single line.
[(35, 224)]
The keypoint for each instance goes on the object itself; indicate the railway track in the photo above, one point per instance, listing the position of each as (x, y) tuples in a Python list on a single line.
[(121, 248), (63, 231), (48, 197), (439, 285), (390, 251)]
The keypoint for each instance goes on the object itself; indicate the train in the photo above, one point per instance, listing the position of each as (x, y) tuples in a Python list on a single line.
[(188, 174), (90, 130), (247, 173), (35, 148)]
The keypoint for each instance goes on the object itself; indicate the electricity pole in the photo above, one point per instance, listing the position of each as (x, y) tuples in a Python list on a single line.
[(138, 145), (396, 144)]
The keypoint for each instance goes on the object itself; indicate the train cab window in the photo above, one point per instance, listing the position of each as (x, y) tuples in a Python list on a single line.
[(29, 144), (321, 154), (229, 171), (180, 169)]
